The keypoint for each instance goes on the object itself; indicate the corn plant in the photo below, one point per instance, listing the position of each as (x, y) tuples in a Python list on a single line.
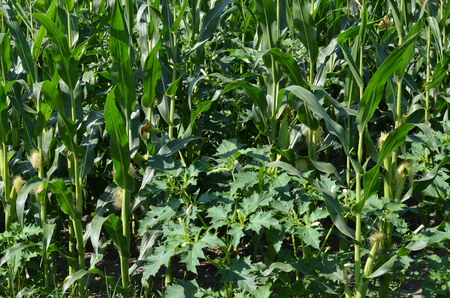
[(292, 148)]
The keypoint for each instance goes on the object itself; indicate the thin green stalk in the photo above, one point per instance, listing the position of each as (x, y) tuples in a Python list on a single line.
[(7, 185), (427, 93), (174, 78), (358, 216)]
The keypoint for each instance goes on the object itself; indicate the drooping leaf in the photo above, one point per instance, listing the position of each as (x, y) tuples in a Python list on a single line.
[(374, 90), (66, 64), (64, 198), (67, 128)]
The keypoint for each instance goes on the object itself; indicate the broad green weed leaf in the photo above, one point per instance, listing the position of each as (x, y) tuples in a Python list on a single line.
[(263, 291), (309, 235), (239, 271), (228, 148), (218, 215), (262, 219), (237, 233), (160, 257), (182, 288)]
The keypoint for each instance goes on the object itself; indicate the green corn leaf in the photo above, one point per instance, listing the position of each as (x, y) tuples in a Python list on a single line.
[(334, 128), (151, 74), (5, 128), (289, 66), (5, 54), (405, 59), (67, 128), (22, 47), (306, 27), (397, 18), (176, 24), (210, 23), (34, 183), (78, 275), (64, 198), (121, 72), (48, 234), (440, 71), (384, 268), (363, 26), (147, 247), (335, 210), (95, 230), (436, 35), (21, 13), (374, 90), (266, 16), (352, 64), (327, 167), (260, 113), (142, 25), (426, 180), (88, 144), (120, 151), (43, 117), (113, 225), (66, 65), (175, 146), (172, 90), (372, 178)]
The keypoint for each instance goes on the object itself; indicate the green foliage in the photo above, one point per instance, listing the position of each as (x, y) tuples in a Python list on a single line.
[(225, 142)]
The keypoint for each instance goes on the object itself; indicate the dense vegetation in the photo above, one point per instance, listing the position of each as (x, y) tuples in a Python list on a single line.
[(296, 148)]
